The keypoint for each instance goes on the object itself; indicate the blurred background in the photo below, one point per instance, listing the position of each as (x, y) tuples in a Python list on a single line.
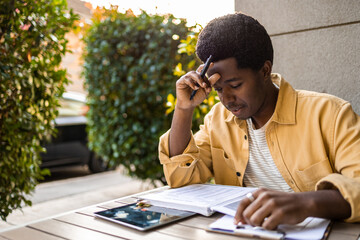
[(316, 47)]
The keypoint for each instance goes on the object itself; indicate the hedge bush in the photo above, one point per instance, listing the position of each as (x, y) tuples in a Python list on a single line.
[(128, 68), (32, 44)]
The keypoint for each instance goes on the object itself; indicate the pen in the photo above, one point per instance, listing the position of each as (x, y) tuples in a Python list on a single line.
[(202, 74), (327, 231)]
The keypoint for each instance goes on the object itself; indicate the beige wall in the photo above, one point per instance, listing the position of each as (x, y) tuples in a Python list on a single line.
[(316, 43), (72, 61)]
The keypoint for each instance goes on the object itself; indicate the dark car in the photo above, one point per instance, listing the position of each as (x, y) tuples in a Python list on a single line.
[(69, 147)]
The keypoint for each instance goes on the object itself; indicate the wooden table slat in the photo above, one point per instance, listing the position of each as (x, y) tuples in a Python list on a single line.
[(187, 232), (70, 231), (112, 205), (115, 229), (200, 221), (127, 200), (346, 228), (342, 236), (90, 210), (31, 234)]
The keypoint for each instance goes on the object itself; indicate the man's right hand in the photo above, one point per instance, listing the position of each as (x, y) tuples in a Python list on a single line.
[(192, 81), (180, 132)]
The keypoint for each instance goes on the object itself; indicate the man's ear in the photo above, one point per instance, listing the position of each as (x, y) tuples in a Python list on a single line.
[(266, 70)]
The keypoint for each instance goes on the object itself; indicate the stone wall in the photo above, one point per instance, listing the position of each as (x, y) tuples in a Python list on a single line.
[(316, 43)]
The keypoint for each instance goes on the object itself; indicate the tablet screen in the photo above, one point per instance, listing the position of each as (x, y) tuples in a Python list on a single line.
[(142, 218)]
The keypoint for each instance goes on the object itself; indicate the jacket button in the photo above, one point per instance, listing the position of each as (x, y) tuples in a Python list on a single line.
[(238, 174), (245, 137)]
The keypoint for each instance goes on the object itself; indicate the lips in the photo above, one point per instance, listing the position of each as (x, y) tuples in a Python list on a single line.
[(235, 109)]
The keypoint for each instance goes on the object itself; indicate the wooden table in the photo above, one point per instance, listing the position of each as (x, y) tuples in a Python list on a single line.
[(81, 224)]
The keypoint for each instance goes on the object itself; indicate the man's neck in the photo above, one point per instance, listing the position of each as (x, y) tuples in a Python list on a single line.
[(263, 116)]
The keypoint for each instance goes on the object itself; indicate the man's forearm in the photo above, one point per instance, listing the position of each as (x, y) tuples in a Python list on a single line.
[(180, 132), (328, 204)]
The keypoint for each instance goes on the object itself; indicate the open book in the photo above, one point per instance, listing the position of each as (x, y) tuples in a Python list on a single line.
[(204, 199)]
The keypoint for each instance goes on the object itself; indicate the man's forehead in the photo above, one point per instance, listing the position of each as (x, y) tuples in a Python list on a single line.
[(227, 69), (225, 65)]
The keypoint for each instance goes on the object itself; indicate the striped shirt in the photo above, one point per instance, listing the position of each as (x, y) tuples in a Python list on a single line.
[(261, 170)]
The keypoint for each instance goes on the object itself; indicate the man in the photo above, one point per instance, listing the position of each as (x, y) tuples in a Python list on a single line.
[(301, 148)]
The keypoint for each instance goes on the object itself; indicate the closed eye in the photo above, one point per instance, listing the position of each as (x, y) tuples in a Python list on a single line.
[(236, 86)]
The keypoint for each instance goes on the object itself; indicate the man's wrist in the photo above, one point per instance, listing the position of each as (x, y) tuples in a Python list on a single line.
[(326, 204), (186, 110)]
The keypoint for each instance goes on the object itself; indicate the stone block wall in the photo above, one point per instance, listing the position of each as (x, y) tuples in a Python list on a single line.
[(316, 43)]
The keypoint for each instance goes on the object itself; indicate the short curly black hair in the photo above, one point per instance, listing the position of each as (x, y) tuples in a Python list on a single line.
[(236, 35)]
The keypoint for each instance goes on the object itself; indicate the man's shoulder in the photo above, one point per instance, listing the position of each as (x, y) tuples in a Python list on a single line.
[(311, 97), (318, 104)]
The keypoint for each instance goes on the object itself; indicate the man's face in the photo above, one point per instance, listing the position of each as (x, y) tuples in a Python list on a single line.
[(242, 91)]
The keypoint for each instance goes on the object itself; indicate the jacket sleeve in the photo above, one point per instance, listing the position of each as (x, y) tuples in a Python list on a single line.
[(194, 165), (346, 160)]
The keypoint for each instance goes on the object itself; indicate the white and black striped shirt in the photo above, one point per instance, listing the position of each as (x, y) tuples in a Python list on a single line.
[(261, 170)]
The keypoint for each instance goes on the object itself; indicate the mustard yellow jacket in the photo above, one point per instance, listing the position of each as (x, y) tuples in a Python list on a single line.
[(313, 138)]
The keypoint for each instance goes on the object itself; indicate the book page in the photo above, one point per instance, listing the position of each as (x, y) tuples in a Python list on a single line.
[(311, 228), (228, 209), (201, 194)]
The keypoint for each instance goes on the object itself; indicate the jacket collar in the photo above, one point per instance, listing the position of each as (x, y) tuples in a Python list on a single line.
[(285, 110)]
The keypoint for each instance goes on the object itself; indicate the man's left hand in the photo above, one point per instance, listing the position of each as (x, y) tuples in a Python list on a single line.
[(269, 208)]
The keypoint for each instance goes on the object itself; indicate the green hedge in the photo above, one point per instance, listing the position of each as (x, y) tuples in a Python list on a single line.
[(128, 68), (32, 44)]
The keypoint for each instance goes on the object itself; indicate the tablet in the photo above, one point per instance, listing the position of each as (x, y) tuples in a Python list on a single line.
[(142, 217)]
